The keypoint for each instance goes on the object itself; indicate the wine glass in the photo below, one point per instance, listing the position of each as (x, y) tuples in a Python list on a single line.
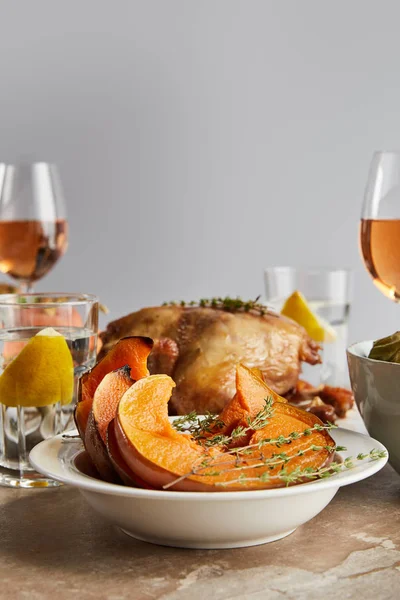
[(380, 223), (33, 225)]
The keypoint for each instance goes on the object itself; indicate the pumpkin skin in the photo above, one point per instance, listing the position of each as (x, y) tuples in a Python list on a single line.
[(130, 351), (121, 468), (106, 398)]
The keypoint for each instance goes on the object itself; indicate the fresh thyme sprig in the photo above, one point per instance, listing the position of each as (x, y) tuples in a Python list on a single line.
[(281, 440), (299, 475), (260, 421), (227, 304), (199, 427), (276, 459), (296, 475), (252, 457)]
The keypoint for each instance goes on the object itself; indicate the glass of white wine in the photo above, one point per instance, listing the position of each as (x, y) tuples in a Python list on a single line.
[(380, 223), (33, 222)]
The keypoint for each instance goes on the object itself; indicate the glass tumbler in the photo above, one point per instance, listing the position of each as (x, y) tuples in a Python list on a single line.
[(47, 341), (328, 293)]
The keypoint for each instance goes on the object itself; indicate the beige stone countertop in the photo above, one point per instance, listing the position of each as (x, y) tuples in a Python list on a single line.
[(54, 546)]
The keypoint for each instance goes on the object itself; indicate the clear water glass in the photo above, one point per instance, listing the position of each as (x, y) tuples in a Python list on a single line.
[(22, 316), (329, 294)]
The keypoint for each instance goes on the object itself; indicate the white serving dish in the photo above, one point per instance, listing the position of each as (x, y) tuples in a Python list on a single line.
[(203, 519)]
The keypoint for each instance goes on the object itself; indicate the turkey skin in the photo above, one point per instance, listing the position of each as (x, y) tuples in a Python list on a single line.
[(200, 347)]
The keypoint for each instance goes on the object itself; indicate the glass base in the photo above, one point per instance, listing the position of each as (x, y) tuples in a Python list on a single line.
[(25, 479)]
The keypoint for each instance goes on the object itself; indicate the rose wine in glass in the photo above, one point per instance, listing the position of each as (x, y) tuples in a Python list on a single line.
[(380, 224), (33, 225)]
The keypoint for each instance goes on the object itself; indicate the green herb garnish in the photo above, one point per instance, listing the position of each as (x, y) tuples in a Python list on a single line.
[(227, 304)]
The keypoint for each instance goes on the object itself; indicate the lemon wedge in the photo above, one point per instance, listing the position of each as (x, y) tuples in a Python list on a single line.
[(41, 374), (297, 308)]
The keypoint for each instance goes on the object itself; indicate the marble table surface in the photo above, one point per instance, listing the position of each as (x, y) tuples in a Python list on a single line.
[(53, 545)]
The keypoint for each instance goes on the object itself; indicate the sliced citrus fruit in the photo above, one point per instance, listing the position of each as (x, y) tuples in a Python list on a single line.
[(297, 308), (41, 374)]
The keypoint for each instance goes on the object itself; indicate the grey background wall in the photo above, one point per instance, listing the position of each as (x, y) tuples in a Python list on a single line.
[(202, 140)]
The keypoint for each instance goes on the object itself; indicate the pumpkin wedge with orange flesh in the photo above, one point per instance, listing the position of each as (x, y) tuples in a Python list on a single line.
[(162, 457), (251, 393), (104, 407), (131, 351)]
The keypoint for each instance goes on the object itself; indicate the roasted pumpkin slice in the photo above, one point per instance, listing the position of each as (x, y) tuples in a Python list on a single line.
[(106, 398), (131, 351), (164, 458), (250, 397), (118, 463)]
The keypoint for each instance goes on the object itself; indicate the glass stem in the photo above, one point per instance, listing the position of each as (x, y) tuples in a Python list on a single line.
[(25, 287)]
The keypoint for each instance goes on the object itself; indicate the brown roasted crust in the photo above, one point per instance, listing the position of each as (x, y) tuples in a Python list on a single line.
[(309, 352), (163, 356), (325, 412), (206, 344), (328, 403), (160, 322), (342, 400)]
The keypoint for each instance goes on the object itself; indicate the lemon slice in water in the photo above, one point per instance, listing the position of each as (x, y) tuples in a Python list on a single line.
[(41, 374), (297, 308)]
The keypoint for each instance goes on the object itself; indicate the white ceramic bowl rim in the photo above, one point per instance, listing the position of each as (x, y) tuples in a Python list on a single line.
[(56, 459), (357, 349)]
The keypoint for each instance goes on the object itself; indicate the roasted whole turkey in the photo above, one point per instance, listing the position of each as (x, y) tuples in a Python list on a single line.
[(199, 347)]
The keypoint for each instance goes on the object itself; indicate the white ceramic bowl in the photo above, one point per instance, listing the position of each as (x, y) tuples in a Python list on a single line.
[(202, 519), (376, 388)]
